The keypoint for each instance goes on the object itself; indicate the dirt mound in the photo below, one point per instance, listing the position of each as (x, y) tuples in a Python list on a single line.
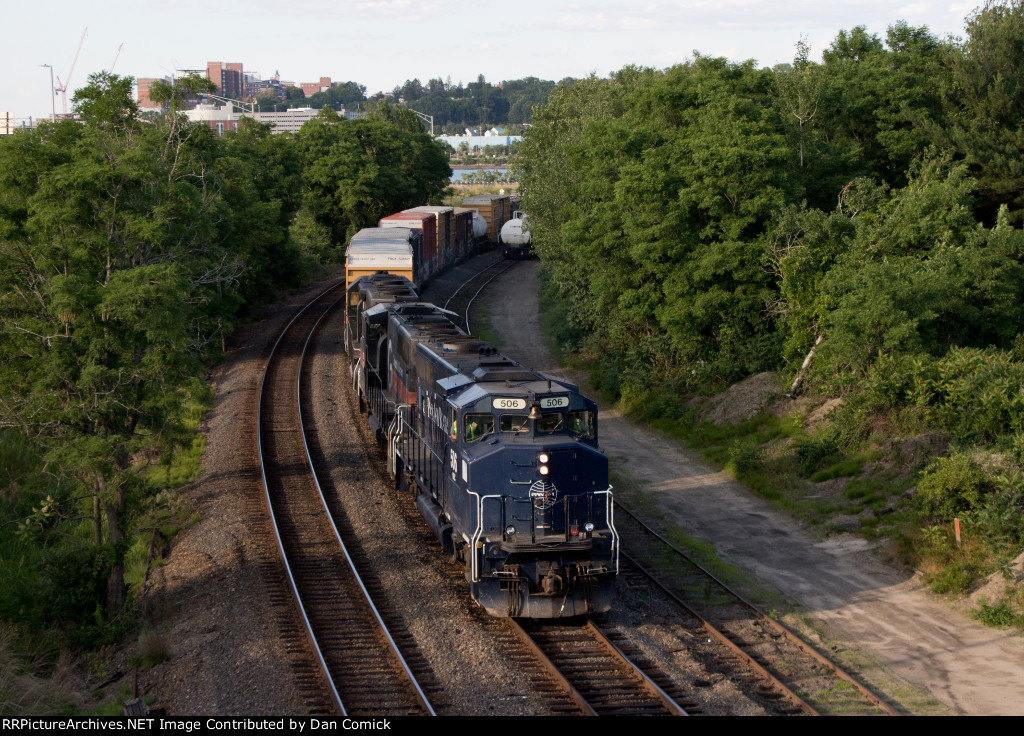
[(742, 401), (820, 414), (994, 590)]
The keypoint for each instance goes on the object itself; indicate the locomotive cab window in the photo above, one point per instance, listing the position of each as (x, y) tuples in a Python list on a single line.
[(551, 421), (514, 423), (477, 426), (581, 424)]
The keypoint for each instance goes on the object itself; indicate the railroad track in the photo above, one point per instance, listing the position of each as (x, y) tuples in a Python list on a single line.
[(598, 675), (809, 681), (364, 671), (462, 297)]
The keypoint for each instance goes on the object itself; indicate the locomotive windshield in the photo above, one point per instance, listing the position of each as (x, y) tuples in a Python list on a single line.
[(477, 427), (551, 421), (516, 423), (581, 424)]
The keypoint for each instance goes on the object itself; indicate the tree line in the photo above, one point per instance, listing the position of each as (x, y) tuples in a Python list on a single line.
[(128, 249), (454, 107), (713, 220)]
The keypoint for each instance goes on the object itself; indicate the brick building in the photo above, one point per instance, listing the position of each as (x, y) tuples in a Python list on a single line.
[(144, 83), (229, 78), (311, 88)]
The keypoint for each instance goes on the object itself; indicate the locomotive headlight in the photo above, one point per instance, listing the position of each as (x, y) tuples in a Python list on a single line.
[(544, 470), (543, 457)]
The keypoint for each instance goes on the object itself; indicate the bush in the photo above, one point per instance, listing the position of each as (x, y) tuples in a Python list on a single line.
[(998, 616), (811, 453), (953, 486), (744, 456), (956, 577), (1002, 518)]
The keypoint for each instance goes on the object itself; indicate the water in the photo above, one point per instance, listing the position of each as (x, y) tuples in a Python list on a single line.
[(459, 174)]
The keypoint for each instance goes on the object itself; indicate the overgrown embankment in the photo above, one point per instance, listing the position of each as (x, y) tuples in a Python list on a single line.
[(849, 227)]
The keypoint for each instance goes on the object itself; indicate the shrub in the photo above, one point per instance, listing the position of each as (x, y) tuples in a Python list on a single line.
[(952, 486), (744, 456), (956, 577), (153, 649), (812, 452)]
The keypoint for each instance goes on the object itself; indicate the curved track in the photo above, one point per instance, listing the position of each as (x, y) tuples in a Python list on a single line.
[(364, 671), (775, 652), (462, 298)]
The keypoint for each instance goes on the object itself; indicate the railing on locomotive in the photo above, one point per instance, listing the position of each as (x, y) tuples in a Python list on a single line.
[(560, 518), (423, 461), (477, 539)]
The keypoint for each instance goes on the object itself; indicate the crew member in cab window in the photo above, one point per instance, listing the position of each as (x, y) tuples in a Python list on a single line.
[(581, 424), (478, 426), (550, 422)]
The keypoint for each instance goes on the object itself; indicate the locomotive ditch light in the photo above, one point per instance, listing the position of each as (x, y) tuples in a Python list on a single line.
[(510, 531), (589, 526)]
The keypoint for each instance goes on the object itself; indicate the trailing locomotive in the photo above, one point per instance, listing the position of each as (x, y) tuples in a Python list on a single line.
[(503, 461)]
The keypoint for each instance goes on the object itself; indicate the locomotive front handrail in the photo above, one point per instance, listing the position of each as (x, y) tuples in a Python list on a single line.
[(474, 567), (610, 515)]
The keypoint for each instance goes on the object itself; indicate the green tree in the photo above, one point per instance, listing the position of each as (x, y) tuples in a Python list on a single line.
[(357, 171), (648, 194), (107, 246), (987, 105)]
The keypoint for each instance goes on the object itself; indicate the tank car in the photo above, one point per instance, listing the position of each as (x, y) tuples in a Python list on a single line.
[(503, 461), (516, 238)]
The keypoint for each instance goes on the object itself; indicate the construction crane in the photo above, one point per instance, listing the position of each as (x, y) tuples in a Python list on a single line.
[(62, 87), (117, 54)]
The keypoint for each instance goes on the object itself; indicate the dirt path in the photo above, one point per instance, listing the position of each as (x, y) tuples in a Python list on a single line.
[(852, 599)]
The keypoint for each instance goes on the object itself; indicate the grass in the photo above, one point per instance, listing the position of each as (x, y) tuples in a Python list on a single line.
[(166, 515), (481, 322), (32, 682), (457, 192), (182, 466), (903, 695)]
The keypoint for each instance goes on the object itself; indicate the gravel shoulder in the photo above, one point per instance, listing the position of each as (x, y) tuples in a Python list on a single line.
[(888, 627), (212, 600)]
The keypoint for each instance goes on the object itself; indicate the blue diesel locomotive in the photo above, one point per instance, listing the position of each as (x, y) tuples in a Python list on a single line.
[(503, 461)]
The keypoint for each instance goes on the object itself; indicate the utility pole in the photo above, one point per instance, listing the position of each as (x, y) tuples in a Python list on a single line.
[(53, 94), (425, 118)]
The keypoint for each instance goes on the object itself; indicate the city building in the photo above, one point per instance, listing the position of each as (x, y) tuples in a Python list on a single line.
[(10, 124), (142, 97), (229, 78), (311, 88), (219, 119)]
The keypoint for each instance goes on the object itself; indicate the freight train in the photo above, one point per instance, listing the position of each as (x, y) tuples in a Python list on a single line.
[(503, 461)]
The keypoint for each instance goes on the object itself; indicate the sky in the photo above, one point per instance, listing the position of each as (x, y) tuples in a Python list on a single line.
[(382, 43)]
